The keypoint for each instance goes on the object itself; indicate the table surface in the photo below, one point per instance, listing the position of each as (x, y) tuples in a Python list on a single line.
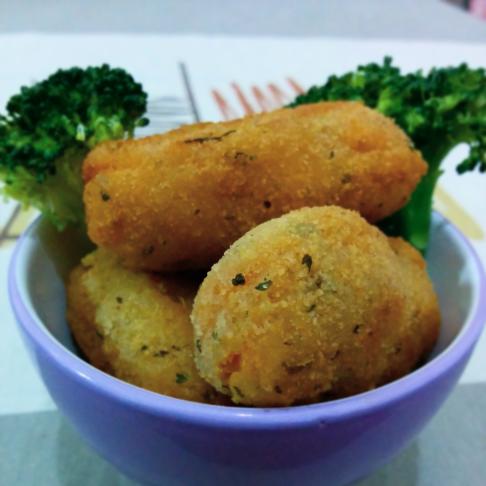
[(40, 447), (410, 19)]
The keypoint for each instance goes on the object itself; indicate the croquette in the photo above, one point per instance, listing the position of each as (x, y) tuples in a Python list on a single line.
[(178, 200), (317, 304), (136, 326)]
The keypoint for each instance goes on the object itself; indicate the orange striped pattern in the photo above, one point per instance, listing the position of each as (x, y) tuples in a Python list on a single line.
[(258, 99)]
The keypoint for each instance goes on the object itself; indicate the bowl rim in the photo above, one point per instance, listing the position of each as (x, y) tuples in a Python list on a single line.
[(243, 417)]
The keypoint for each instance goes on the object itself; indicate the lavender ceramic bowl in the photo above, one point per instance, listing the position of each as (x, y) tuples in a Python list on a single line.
[(161, 440)]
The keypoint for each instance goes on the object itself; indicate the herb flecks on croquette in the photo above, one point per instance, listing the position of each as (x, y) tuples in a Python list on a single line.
[(167, 177), (264, 285), (136, 326), (238, 279), (334, 300), (181, 378), (307, 261)]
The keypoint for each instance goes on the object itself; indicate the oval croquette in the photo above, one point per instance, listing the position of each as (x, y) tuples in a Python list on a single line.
[(178, 200), (136, 326), (315, 304)]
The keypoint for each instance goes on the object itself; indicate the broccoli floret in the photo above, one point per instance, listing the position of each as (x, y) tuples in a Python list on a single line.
[(438, 111), (49, 128)]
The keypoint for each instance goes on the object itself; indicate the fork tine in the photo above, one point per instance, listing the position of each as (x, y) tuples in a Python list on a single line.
[(167, 112)]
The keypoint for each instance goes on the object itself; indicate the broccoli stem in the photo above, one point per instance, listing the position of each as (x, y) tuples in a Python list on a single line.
[(412, 222), (438, 111)]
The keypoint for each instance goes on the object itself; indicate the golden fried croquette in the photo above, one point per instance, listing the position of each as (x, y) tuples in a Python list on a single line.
[(178, 200), (136, 326), (313, 305)]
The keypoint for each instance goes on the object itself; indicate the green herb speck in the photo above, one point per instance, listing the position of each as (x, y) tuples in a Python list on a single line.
[(239, 279), (307, 261), (105, 196), (311, 308), (292, 369), (181, 378), (198, 345), (346, 179), (265, 285)]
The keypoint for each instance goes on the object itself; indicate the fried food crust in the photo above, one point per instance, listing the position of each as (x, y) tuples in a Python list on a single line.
[(178, 200), (313, 305), (136, 326)]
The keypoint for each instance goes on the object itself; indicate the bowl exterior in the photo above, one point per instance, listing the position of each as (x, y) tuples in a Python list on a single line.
[(153, 448), (156, 439)]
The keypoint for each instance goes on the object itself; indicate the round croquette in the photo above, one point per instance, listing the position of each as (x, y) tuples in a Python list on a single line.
[(313, 305)]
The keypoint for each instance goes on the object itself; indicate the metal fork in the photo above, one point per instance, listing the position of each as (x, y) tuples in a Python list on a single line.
[(165, 113)]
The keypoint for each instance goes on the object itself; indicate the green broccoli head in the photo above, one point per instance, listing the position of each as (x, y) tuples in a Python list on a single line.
[(49, 128), (438, 111)]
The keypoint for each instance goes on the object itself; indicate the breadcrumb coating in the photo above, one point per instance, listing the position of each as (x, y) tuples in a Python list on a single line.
[(316, 304), (136, 326), (178, 200)]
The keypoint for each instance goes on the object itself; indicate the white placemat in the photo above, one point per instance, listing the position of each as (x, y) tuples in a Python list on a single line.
[(210, 78)]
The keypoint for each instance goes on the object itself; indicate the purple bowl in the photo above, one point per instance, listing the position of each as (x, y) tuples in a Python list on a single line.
[(155, 439)]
